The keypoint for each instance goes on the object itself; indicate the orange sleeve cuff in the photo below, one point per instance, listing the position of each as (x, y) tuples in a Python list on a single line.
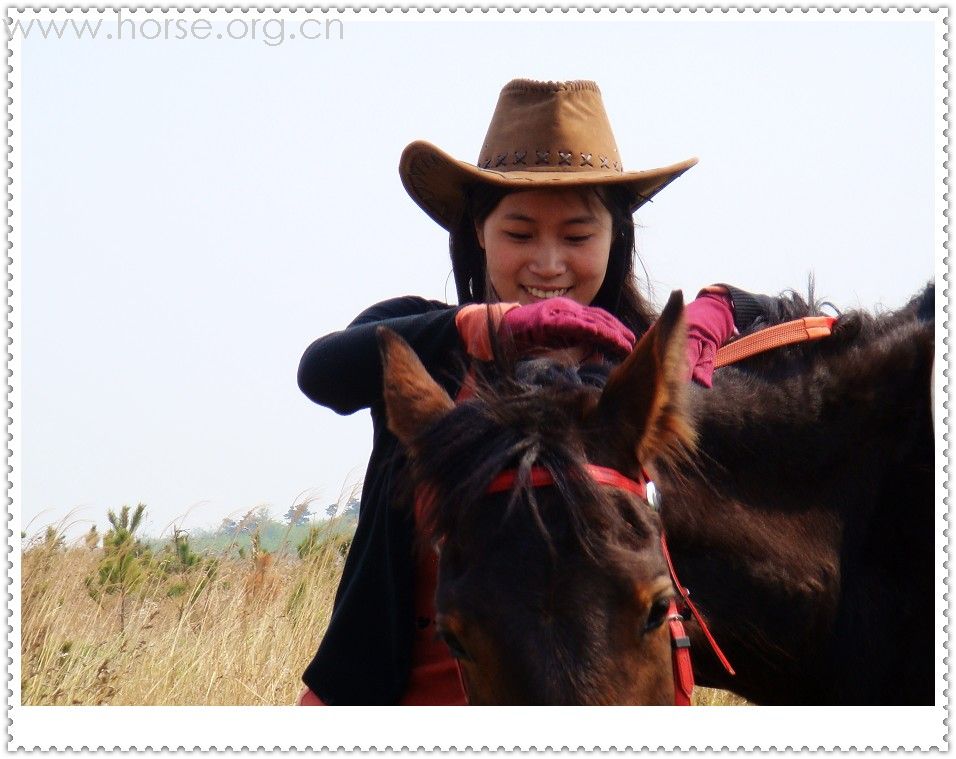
[(472, 322)]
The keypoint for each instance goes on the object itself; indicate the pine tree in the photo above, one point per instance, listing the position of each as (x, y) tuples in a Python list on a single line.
[(352, 508), (298, 514), (125, 560), (189, 573)]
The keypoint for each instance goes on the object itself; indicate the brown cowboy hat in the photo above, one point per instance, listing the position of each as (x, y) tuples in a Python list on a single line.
[(542, 135)]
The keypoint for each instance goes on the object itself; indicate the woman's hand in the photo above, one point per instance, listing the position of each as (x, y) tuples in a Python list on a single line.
[(710, 323), (563, 323)]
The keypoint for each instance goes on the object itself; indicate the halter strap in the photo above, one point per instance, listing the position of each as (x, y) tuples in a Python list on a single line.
[(788, 333), (685, 596), (541, 477), (680, 657)]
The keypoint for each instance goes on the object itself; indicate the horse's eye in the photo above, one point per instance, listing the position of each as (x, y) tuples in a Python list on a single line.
[(657, 614), (454, 645)]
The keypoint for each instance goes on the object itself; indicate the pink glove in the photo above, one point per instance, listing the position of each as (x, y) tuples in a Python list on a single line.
[(710, 323), (562, 322)]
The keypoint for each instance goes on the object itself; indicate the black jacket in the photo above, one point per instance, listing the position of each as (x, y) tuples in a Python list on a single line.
[(365, 656)]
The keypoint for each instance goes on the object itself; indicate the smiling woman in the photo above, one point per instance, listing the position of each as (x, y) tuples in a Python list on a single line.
[(541, 229), (543, 244)]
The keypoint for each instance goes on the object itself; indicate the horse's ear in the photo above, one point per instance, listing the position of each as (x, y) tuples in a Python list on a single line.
[(642, 406), (413, 399)]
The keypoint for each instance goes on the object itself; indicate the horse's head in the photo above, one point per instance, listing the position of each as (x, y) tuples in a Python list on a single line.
[(555, 594)]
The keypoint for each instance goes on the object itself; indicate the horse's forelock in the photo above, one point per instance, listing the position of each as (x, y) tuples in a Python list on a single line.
[(527, 420)]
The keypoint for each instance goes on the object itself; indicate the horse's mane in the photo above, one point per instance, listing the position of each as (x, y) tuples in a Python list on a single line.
[(523, 415), (852, 329), (791, 305)]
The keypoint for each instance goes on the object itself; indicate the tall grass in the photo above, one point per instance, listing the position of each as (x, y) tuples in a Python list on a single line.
[(241, 639)]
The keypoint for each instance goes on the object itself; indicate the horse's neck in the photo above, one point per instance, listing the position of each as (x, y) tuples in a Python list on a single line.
[(782, 489), (766, 580)]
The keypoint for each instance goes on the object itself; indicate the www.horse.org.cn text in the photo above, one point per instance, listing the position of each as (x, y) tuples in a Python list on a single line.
[(270, 31)]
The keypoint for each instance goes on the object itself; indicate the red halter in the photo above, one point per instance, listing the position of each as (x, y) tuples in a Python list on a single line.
[(540, 477), (680, 643)]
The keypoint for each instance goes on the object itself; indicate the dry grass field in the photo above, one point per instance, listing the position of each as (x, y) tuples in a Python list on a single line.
[(243, 640), (240, 638)]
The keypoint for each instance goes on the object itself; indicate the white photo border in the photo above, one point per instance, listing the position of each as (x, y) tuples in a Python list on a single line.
[(554, 728)]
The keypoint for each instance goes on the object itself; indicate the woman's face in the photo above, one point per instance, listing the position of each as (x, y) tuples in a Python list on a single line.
[(540, 244)]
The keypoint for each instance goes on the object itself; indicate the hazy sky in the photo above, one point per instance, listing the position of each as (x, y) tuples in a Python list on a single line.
[(195, 212)]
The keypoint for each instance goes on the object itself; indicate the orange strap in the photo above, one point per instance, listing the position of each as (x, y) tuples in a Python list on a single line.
[(788, 333)]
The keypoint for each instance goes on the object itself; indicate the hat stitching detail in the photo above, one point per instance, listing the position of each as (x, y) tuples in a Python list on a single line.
[(543, 159)]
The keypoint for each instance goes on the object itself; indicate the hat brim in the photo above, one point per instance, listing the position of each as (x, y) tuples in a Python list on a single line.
[(436, 181)]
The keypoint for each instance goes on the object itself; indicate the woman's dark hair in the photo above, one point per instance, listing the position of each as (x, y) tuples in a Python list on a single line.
[(618, 294)]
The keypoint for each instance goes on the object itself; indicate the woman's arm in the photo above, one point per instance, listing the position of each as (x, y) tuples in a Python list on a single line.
[(343, 371)]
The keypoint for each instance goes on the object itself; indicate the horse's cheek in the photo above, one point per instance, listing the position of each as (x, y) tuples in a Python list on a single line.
[(652, 672), (478, 684), (484, 680)]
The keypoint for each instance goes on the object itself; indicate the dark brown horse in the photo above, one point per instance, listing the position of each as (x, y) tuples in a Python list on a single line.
[(804, 525), (556, 594)]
